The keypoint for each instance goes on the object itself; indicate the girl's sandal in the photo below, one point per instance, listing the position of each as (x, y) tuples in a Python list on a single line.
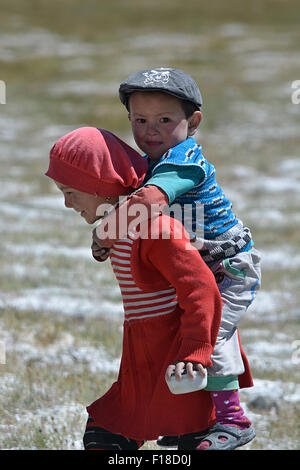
[(222, 437)]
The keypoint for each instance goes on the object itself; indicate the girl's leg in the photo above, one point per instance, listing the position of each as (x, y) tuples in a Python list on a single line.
[(191, 441), (96, 438)]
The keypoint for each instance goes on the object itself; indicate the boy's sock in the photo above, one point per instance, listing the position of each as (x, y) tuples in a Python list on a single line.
[(228, 409), (228, 412)]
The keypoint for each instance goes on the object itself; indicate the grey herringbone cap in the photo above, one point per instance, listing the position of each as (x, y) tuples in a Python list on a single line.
[(167, 80)]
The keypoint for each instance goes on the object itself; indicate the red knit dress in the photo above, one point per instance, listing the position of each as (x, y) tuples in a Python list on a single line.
[(172, 312)]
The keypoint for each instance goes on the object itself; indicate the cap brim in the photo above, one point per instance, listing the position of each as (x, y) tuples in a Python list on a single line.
[(125, 95)]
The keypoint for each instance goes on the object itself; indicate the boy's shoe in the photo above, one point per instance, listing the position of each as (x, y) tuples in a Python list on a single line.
[(167, 441), (222, 437)]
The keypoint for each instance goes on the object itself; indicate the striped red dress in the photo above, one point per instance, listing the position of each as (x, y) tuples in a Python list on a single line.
[(172, 312), (138, 304)]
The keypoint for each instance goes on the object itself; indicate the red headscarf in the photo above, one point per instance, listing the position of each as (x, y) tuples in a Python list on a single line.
[(95, 161)]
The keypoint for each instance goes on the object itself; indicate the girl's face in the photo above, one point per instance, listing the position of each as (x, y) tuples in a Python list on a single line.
[(84, 203)]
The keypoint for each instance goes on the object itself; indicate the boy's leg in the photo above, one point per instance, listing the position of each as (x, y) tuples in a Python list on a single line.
[(238, 280), (96, 438), (232, 429), (228, 409)]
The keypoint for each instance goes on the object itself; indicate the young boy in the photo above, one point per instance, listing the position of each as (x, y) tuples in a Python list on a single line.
[(171, 303), (165, 111)]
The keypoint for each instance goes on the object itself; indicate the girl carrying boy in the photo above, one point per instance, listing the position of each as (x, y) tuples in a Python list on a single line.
[(171, 303)]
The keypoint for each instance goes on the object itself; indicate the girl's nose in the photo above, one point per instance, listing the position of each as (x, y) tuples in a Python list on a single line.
[(68, 201)]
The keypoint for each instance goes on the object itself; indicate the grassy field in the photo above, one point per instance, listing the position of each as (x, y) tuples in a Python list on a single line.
[(60, 311)]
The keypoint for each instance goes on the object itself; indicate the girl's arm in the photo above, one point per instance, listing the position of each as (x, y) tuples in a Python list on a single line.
[(197, 292), (179, 367)]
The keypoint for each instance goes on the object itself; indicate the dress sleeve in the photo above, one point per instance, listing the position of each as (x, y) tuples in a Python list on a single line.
[(197, 292)]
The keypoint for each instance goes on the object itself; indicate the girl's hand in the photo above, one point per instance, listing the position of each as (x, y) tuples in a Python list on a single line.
[(184, 367), (99, 253)]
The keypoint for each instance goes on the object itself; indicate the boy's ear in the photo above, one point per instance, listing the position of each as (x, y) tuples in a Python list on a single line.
[(193, 122), (129, 117)]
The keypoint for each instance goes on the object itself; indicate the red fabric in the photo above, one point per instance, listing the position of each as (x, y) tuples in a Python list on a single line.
[(123, 212), (176, 261), (139, 404), (245, 379), (95, 161)]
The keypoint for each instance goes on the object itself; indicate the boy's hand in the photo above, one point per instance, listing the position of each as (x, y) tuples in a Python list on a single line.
[(184, 367)]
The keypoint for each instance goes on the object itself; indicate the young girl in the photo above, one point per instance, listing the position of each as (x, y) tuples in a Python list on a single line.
[(164, 107), (171, 302)]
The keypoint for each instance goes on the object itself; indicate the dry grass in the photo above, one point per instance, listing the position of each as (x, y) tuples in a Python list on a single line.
[(60, 312)]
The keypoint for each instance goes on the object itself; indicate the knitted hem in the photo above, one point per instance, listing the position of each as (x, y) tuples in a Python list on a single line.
[(194, 351), (229, 382)]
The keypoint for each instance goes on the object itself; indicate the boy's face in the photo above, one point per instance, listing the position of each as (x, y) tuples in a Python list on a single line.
[(158, 122), (84, 203)]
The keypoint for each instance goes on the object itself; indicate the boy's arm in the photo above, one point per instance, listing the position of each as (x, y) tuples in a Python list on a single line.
[(150, 199), (176, 180), (167, 183), (196, 289)]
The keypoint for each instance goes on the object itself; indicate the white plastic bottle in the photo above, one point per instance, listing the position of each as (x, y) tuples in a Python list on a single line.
[(186, 385)]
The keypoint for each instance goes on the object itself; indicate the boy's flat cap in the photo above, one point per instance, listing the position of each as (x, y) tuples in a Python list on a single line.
[(167, 80)]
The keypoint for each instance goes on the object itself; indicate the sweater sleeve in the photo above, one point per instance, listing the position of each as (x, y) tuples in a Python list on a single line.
[(176, 180), (198, 296)]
